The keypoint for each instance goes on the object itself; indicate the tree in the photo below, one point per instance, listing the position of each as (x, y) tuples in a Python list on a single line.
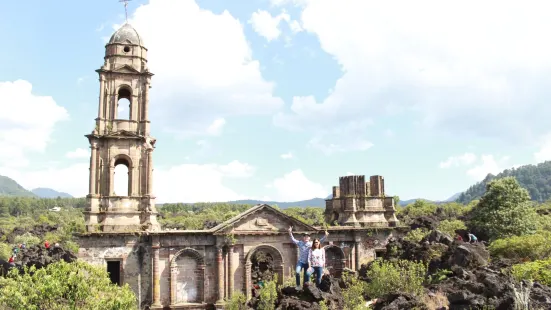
[(63, 285), (505, 210)]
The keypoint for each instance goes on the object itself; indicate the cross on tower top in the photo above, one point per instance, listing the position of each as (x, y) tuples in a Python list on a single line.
[(125, 8)]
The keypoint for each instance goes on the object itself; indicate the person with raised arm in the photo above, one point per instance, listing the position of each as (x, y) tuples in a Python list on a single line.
[(304, 247)]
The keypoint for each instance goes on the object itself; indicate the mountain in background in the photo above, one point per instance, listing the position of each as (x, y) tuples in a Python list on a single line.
[(315, 202), (43, 192), (8, 187), (535, 178), (407, 202)]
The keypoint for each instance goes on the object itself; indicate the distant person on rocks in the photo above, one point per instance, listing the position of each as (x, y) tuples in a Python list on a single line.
[(316, 259), (11, 260), (304, 246), (459, 238), (46, 244), (23, 245), (56, 245), (472, 238)]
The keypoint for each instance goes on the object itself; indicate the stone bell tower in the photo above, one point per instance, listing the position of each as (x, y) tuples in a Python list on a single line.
[(122, 140)]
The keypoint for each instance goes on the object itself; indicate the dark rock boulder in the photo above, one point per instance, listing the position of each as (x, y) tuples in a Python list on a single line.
[(466, 255), (399, 302), (310, 296), (426, 222), (37, 230), (437, 236), (41, 257)]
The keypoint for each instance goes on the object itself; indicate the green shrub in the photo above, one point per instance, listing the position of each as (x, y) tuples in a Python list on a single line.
[(71, 246), (539, 271), (27, 238), (505, 210), (536, 246), (64, 285), (268, 295), (237, 302), (544, 222), (416, 235), (5, 251), (396, 276), (450, 226), (353, 295)]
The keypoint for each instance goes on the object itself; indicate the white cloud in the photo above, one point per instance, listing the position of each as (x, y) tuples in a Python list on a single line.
[(295, 26), (78, 153), (346, 138), (199, 183), (476, 77), (460, 160), (294, 186), (215, 128), (267, 25), (544, 153), (236, 169), (287, 155), (489, 165), (181, 183), (213, 76), (72, 179), (26, 122), (288, 2)]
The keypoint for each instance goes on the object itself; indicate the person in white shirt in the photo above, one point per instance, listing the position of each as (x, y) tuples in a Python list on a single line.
[(316, 258)]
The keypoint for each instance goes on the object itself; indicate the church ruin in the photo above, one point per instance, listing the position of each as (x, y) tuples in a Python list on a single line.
[(196, 269)]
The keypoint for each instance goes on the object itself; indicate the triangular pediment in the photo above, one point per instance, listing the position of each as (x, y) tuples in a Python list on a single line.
[(259, 219), (126, 69)]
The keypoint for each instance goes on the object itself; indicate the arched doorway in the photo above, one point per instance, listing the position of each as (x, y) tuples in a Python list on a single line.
[(187, 277), (267, 260), (334, 260)]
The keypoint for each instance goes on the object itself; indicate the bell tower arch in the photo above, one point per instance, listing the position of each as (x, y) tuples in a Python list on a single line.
[(121, 139)]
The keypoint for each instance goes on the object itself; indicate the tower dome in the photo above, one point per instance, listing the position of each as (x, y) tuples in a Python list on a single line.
[(126, 34)]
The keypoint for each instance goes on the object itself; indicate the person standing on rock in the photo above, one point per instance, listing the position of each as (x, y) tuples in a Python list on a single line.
[(304, 246), (316, 259), (472, 238), (46, 244)]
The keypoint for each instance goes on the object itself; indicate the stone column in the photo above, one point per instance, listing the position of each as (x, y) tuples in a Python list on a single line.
[(248, 281), (231, 268), (111, 180), (146, 102), (220, 265), (173, 282), (149, 172), (357, 254), (156, 275), (93, 168), (101, 96)]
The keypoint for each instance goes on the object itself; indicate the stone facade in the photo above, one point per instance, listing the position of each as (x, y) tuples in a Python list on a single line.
[(358, 203), (198, 269)]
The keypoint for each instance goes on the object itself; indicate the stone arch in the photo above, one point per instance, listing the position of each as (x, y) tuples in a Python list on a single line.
[(192, 265), (335, 259), (278, 265), (124, 97), (121, 159)]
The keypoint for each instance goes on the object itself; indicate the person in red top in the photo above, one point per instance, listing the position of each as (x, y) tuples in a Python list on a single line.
[(459, 238), (10, 260), (46, 244)]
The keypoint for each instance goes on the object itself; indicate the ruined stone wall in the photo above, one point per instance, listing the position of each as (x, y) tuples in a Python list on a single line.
[(134, 253), (193, 257)]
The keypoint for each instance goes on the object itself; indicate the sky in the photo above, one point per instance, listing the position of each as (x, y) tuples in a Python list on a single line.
[(276, 99)]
